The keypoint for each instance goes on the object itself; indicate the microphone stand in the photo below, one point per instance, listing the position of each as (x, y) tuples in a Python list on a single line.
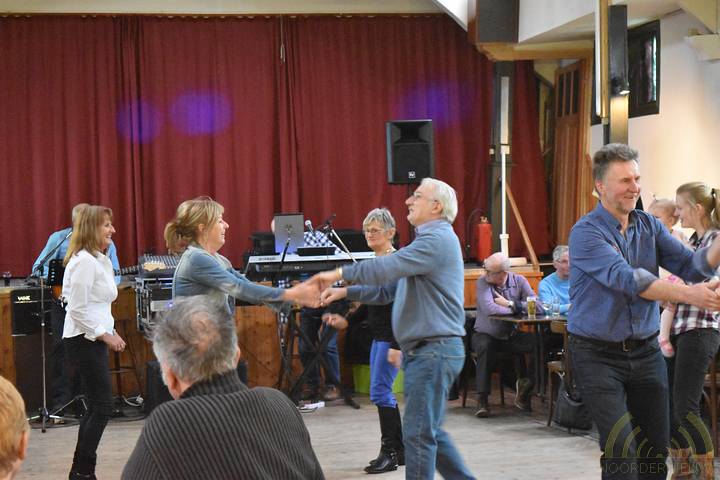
[(282, 320), (344, 247), (327, 228), (43, 414)]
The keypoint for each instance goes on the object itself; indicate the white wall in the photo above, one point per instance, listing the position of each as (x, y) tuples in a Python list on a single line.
[(457, 9), (682, 143), (540, 16)]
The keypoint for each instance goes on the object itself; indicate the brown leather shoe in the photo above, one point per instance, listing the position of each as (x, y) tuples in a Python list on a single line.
[(331, 393), (483, 410)]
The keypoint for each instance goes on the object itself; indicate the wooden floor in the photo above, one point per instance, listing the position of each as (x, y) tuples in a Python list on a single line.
[(509, 445)]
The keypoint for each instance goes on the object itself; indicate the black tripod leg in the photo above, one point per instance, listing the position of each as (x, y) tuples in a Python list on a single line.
[(306, 368), (293, 393), (324, 340), (285, 353)]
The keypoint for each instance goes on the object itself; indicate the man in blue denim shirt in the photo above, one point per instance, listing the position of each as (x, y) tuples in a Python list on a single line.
[(425, 279), (615, 252)]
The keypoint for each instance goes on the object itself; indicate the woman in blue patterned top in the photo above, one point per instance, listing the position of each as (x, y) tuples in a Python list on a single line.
[(203, 271)]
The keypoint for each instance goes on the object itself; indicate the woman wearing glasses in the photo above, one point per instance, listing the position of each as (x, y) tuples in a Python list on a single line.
[(379, 229)]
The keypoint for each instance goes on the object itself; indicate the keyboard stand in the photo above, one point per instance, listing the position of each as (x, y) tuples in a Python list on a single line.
[(286, 350)]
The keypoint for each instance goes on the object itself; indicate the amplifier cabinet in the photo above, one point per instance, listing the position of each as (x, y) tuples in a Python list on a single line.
[(152, 296)]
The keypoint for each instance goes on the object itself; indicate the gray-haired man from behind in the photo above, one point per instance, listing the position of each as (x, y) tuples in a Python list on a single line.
[(216, 427)]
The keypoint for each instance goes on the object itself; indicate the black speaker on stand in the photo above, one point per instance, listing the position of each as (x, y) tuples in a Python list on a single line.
[(410, 156)]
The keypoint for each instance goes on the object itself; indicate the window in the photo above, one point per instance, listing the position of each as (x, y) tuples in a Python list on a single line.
[(644, 72), (644, 69)]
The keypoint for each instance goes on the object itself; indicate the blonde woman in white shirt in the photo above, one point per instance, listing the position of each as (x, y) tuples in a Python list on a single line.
[(89, 289)]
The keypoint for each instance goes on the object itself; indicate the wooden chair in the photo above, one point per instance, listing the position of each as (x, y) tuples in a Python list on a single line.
[(468, 372), (557, 368)]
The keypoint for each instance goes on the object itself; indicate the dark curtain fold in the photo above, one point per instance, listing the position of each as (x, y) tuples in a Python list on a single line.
[(528, 175), (263, 114)]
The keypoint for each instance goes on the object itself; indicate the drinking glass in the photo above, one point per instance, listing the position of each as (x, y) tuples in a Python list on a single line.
[(531, 310), (556, 306)]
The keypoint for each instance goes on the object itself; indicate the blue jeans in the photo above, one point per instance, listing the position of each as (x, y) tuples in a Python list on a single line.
[(627, 395), (694, 350), (310, 323), (429, 371), (382, 375)]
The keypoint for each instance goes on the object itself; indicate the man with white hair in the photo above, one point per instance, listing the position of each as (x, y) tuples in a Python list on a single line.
[(556, 286), (501, 292), (425, 280), (216, 427)]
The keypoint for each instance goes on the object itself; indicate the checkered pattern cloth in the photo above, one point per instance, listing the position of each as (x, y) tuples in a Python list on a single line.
[(317, 238), (690, 317)]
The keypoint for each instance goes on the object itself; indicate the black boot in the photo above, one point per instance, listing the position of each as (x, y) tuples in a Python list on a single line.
[(399, 445), (387, 459)]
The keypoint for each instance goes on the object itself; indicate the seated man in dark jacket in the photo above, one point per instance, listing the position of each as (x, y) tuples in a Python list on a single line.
[(216, 427)]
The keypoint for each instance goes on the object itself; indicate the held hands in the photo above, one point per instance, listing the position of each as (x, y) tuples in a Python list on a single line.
[(330, 295), (309, 292), (325, 279), (336, 321), (306, 294), (394, 357), (114, 342)]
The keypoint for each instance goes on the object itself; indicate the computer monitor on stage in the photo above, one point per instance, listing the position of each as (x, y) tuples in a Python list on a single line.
[(289, 226)]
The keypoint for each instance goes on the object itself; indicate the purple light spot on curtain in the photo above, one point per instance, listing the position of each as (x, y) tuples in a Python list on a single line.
[(139, 122), (445, 105), (201, 113)]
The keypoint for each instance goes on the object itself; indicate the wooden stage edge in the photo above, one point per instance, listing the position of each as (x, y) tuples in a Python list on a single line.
[(257, 337)]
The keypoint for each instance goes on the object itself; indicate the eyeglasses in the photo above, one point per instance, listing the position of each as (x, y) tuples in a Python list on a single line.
[(373, 231), (418, 196), (495, 273)]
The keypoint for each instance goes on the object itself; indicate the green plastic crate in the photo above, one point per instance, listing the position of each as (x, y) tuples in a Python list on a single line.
[(361, 378)]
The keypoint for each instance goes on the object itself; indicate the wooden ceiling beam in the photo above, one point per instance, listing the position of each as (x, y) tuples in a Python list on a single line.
[(500, 52)]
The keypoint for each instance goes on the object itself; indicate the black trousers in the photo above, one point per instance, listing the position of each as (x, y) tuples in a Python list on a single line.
[(486, 348), (63, 381), (694, 350), (90, 360)]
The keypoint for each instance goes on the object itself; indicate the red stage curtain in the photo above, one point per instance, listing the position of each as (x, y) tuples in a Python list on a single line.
[(528, 175), (140, 113), (58, 140), (375, 70), (212, 124)]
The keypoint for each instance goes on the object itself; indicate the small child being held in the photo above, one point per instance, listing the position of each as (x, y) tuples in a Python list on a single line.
[(665, 211)]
